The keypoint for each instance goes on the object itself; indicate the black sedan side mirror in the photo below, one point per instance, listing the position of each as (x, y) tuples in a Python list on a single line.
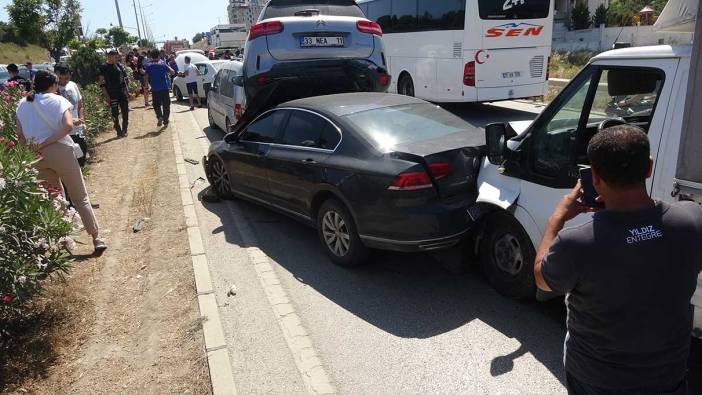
[(231, 138), (496, 139)]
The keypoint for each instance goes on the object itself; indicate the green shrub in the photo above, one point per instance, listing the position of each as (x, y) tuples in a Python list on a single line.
[(600, 17), (84, 64), (567, 64), (34, 222), (97, 113), (580, 16), (622, 12)]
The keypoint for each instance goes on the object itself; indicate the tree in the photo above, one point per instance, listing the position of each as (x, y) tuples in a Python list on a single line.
[(198, 37), (145, 43), (119, 36), (600, 17), (580, 16), (85, 62), (62, 19), (27, 17), (622, 12)]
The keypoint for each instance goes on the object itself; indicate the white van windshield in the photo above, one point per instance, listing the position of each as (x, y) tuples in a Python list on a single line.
[(514, 9)]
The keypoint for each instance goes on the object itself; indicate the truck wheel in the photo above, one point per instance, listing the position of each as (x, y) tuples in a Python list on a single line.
[(338, 235), (405, 86), (507, 256)]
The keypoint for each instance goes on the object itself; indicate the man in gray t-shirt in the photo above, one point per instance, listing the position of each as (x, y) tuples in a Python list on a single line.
[(629, 275)]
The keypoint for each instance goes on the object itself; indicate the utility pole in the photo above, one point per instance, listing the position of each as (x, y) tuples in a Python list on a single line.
[(119, 16), (143, 24), (136, 14)]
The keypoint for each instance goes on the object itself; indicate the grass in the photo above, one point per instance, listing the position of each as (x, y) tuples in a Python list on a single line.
[(567, 64), (13, 53)]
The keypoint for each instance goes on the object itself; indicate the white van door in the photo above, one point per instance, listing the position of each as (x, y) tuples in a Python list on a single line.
[(637, 92)]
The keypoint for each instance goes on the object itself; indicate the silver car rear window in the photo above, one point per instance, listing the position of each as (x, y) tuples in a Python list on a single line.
[(282, 8)]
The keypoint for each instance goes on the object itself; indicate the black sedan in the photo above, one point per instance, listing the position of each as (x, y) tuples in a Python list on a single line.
[(368, 170)]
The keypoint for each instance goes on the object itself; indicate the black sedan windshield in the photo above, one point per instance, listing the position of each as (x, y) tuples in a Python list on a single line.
[(388, 127)]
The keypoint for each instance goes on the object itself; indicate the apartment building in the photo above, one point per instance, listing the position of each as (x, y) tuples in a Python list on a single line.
[(244, 11)]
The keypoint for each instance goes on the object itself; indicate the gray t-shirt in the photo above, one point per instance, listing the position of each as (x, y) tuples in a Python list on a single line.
[(629, 278)]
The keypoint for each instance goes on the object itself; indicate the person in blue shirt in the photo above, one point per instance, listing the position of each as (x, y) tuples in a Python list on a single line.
[(173, 65), (158, 77)]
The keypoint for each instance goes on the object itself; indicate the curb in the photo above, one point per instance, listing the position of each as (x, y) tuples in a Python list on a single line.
[(221, 376)]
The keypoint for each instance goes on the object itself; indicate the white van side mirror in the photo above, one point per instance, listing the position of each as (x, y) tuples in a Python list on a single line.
[(496, 140)]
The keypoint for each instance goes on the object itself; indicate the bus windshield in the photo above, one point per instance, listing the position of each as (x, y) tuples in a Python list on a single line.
[(513, 9)]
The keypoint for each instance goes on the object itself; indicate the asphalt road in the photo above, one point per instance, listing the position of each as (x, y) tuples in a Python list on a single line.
[(401, 325)]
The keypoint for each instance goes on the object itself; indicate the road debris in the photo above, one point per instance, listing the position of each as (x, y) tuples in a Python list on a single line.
[(139, 225)]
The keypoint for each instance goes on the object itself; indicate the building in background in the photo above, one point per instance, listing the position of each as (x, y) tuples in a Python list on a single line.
[(175, 45), (231, 35), (244, 11)]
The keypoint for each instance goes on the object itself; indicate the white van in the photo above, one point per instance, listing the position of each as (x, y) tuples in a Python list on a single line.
[(225, 101), (531, 165)]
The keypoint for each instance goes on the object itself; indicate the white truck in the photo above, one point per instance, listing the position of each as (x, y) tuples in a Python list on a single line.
[(531, 165)]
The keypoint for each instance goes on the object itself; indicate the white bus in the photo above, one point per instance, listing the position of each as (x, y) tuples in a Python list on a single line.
[(465, 50)]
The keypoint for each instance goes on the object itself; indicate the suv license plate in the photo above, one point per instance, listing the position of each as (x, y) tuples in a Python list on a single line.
[(512, 74), (321, 41)]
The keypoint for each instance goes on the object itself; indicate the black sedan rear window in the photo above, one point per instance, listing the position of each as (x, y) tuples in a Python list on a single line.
[(390, 126), (281, 8)]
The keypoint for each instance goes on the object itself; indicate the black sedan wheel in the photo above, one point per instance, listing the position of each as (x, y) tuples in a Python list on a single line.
[(508, 257), (338, 235), (219, 178)]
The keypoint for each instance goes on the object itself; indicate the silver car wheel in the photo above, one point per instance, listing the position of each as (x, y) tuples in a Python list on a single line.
[(508, 254), (336, 233)]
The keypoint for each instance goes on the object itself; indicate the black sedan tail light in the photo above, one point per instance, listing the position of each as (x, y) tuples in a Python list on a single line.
[(415, 180)]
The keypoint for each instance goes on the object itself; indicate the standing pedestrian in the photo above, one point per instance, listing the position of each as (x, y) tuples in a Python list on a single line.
[(32, 72), (44, 118), (191, 73), (141, 72), (173, 65), (113, 80), (13, 71), (157, 75), (629, 275), (71, 92)]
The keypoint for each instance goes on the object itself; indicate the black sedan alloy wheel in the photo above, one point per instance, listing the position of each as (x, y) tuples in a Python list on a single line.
[(338, 235), (220, 178)]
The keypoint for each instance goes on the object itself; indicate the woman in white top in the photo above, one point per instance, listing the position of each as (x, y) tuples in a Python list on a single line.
[(44, 119)]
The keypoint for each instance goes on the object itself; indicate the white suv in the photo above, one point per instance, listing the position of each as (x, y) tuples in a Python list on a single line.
[(312, 47)]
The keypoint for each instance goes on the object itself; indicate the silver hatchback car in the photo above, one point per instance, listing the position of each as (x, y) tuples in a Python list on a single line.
[(303, 48)]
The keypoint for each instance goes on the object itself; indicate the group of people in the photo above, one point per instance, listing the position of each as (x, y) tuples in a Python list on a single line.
[(154, 72)]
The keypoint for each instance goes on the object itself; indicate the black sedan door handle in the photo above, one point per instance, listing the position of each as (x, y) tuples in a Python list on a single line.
[(309, 161)]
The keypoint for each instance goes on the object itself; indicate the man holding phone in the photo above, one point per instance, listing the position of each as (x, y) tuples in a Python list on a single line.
[(629, 274)]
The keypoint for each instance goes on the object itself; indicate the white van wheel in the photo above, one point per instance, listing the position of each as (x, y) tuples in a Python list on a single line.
[(508, 257)]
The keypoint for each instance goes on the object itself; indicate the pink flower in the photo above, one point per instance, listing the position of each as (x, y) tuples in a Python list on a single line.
[(7, 298), (11, 145)]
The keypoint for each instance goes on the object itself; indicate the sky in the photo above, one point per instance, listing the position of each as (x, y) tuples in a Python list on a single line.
[(167, 19)]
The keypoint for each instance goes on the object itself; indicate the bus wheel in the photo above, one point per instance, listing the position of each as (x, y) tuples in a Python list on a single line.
[(405, 86), (507, 257)]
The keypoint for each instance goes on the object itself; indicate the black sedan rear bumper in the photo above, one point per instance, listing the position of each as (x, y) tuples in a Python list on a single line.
[(413, 245)]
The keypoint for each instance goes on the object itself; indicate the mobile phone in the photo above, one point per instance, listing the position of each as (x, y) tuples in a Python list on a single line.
[(589, 193)]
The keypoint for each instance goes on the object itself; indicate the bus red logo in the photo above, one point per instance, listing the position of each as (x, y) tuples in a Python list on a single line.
[(515, 30)]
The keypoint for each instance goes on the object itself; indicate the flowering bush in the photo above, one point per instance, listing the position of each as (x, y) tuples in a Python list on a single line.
[(34, 227), (34, 222), (97, 114)]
